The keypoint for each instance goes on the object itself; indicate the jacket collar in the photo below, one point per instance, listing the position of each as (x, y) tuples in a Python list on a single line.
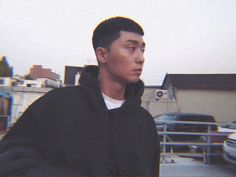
[(89, 80)]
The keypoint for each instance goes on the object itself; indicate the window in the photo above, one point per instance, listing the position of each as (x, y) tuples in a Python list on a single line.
[(2, 81)]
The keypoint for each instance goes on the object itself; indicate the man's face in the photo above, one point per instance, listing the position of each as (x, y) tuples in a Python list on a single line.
[(125, 58)]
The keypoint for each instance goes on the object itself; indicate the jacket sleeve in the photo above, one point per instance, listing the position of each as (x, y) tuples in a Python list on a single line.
[(156, 157), (155, 171), (19, 155)]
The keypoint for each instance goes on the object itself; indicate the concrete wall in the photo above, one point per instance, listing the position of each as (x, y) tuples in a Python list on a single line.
[(22, 98), (154, 106), (220, 104)]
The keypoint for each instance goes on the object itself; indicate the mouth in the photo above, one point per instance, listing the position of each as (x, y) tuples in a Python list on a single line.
[(138, 71)]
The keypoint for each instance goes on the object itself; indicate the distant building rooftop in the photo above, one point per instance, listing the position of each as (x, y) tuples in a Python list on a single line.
[(153, 86), (70, 74), (201, 81), (37, 71)]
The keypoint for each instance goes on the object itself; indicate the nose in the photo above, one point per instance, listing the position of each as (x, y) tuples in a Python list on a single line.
[(139, 57)]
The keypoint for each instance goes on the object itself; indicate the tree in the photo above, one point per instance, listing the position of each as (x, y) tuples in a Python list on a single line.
[(5, 69), (28, 77)]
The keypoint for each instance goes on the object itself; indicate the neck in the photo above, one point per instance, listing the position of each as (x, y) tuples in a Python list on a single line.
[(111, 88)]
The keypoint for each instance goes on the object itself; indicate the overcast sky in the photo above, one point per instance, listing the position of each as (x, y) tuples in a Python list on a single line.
[(182, 36)]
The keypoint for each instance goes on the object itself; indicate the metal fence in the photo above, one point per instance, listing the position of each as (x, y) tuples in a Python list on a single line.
[(209, 143)]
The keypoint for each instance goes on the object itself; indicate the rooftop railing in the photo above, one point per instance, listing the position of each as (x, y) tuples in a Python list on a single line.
[(208, 144)]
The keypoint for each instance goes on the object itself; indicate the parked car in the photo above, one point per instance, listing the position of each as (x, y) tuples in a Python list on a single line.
[(183, 122), (230, 148), (215, 149), (228, 127), (166, 121)]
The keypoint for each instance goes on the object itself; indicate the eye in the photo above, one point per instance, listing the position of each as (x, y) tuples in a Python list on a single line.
[(132, 48), (142, 49)]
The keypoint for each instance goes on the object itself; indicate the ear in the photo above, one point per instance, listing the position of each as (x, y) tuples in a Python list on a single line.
[(101, 54)]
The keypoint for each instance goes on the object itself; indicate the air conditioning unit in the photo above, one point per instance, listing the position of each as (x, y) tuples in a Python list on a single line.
[(161, 94)]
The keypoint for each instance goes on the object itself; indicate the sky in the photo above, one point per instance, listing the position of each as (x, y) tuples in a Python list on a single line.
[(182, 36)]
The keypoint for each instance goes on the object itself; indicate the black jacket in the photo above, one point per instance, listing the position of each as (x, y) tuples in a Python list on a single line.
[(70, 132)]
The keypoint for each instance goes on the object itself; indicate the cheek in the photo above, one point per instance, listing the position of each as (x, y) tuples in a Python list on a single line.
[(121, 59), (122, 65), (120, 62)]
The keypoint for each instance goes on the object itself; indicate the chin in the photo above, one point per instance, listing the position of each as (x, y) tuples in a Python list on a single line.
[(133, 80)]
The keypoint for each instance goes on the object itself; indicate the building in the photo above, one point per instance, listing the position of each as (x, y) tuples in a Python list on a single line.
[(44, 76), (72, 74), (21, 98), (157, 100), (23, 92), (5, 110), (5, 81), (37, 71), (213, 94)]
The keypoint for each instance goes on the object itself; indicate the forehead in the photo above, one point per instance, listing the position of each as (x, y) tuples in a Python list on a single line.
[(130, 37)]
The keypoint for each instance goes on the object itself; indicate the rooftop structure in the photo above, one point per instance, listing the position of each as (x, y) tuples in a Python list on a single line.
[(37, 71), (201, 81)]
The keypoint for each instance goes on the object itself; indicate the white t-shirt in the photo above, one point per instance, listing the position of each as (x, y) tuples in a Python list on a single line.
[(112, 103)]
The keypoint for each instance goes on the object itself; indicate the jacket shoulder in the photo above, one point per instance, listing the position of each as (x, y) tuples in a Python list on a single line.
[(53, 96), (145, 113), (63, 91)]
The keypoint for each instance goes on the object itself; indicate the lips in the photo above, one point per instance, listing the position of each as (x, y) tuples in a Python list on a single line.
[(138, 71)]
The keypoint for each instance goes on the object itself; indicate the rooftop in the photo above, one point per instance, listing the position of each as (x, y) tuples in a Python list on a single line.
[(201, 81)]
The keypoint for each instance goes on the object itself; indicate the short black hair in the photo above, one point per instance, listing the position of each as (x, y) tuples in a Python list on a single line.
[(109, 30)]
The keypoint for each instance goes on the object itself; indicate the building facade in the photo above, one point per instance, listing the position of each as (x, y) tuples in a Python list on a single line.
[(22, 97), (72, 74), (213, 94)]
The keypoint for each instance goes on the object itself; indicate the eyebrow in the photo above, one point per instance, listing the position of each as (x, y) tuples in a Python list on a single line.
[(135, 42)]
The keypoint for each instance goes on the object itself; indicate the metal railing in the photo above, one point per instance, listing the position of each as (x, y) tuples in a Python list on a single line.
[(209, 143)]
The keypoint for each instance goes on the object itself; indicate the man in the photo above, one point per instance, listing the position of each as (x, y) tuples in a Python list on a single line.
[(95, 129)]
